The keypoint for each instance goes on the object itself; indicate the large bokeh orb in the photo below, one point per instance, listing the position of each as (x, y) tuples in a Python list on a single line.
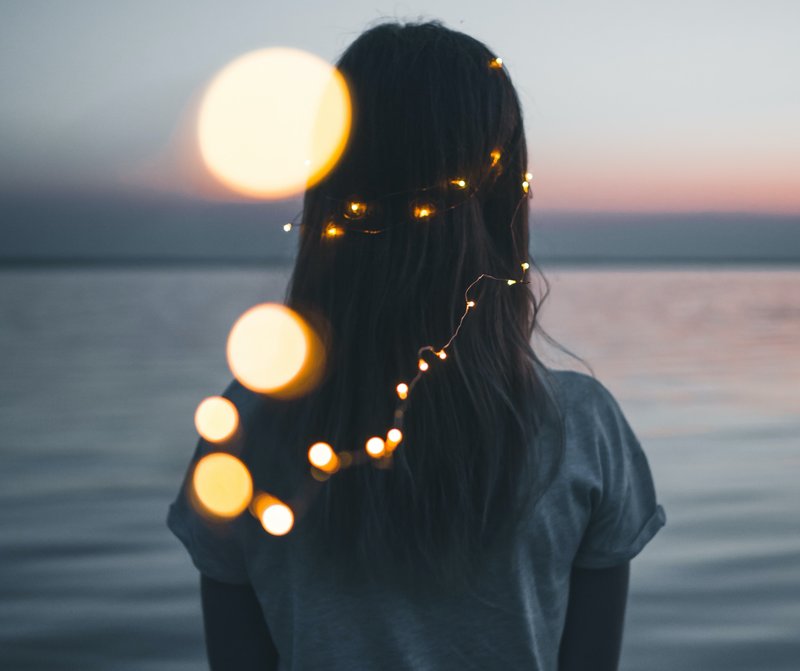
[(273, 122)]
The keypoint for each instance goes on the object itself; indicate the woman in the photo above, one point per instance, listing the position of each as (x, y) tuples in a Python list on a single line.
[(498, 533)]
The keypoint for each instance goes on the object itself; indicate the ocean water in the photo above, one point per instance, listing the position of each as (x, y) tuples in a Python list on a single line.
[(101, 370)]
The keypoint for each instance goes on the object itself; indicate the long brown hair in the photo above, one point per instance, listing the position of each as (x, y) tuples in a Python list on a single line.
[(430, 104)]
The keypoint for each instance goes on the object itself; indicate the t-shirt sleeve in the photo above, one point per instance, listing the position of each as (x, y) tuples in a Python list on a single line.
[(625, 514), (213, 545)]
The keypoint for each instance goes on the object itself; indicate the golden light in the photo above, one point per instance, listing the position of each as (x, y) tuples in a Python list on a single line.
[(442, 355), (287, 227), (275, 516), (272, 350), (277, 519), (495, 157), (510, 282), (424, 211), (525, 186), (216, 419), (393, 438), (355, 209), (460, 183), (402, 390), (375, 446), (323, 457), (333, 231), (470, 304), (526, 265), (423, 365), (528, 176), (222, 484), (496, 63), (273, 122)]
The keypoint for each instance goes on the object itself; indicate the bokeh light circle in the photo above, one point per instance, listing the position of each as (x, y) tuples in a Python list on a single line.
[(222, 484), (273, 122), (216, 419), (277, 519), (376, 446), (268, 347), (321, 455)]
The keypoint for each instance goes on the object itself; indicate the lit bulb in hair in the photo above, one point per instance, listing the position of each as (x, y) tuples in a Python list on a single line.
[(495, 157), (323, 457), (287, 227), (526, 265), (424, 211), (355, 209), (402, 390), (528, 176), (276, 517), (459, 183), (375, 446), (393, 438), (470, 304), (442, 355), (423, 365), (510, 282), (333, 231), (496, 63)]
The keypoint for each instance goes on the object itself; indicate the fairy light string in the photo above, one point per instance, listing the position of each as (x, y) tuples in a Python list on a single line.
[(276, 516)]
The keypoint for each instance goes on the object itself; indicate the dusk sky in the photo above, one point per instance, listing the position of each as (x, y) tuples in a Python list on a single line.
[(629, 106)]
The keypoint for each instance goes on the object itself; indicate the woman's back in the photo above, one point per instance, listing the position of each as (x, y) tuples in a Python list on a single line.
[(598, 511)]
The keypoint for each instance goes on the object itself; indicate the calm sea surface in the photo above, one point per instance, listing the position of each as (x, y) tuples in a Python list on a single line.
[(101, 370)]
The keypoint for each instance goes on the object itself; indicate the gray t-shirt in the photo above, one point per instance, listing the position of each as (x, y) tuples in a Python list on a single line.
[(598, 511)]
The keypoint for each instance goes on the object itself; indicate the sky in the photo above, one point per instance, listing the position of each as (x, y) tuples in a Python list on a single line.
[(634, 106)]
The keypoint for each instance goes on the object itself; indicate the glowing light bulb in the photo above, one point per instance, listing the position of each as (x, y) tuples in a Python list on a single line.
[(275, 516), (355, 209), (216, 419), (510, 282), (333, 231), (526, 265), (495, 157), (423, 365), (402, 390), (277, 519), (271, 349), (470, 304), (442, 355), (273, 122), (222, 484), (375, 446), (323, 457), (424, 211), (395, 435), (496, 63), (525, 186), (287, 227), (528, 176), (460, 183)]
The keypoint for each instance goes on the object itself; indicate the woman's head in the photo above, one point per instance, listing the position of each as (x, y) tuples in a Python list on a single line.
[(437, 154), (431, 107)]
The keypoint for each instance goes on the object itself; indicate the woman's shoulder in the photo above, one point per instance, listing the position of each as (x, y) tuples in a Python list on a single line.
[(592, 417), (578, 391)]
